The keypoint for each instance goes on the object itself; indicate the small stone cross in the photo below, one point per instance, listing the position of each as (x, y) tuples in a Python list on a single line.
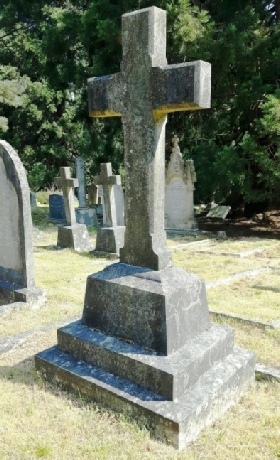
[(143, 93), (107, 180), (67, 183)]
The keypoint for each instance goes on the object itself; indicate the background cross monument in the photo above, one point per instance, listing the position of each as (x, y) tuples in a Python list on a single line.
[(72, 235), (143, 93), (67, 183), (110, 237), (107, 180)]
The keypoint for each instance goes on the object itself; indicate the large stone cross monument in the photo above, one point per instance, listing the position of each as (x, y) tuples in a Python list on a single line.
[(145, 344), (143, 93)]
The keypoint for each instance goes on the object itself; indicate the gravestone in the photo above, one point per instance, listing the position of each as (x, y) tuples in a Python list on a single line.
[(84, 214), (71, 235), (179, 188), (33, 200), (92, 195), (145, 344), (56, 208), (110, 237), (218, 212), (17, 283)]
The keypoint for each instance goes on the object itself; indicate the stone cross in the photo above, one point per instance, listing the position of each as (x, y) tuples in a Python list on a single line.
[(80, 172), (107, 180), (143, 93), (67, 183)]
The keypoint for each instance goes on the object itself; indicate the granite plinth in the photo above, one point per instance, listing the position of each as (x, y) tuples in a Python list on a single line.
[(158, 310), (110, 239), (169, 376), (176, 422), (74, 236), (14, 293)]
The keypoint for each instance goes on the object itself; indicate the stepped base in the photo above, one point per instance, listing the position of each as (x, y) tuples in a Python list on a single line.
[(176, 422)]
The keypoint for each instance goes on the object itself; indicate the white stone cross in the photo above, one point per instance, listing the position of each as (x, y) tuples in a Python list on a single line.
[(67, 183), (143, 93), (107, 180)]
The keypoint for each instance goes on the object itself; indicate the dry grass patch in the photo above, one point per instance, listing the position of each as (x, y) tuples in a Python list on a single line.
[(40, 421), (264, 343), (257, 298), (213, 267)]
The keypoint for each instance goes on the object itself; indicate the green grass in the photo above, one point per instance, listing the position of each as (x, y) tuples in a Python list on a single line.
[(40, 421), (257, 298)]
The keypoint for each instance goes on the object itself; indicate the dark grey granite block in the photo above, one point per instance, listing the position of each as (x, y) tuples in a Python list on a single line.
[(176, 422), (110, 239), (169, 376), (74, 236), (156, 310)]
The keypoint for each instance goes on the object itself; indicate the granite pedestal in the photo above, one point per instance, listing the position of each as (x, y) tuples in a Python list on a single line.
[(74, 236), (110, 239), (145, 346)]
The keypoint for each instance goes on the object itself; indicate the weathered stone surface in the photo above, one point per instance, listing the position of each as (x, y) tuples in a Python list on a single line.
[(110, 240), (157, 310), (177, 422), (143, 93), (177, 373), (74, 236), (169, 376), (219, 212), (67, 183), (110, 237), (17, 282)]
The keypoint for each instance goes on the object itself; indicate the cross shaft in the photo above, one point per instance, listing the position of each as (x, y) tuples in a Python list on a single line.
[(143, 93)]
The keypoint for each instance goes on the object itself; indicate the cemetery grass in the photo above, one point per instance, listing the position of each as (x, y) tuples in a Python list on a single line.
[(39, 420)]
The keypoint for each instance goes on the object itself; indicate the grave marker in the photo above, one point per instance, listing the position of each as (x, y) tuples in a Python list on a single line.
[(110, 237), (72, 235), (56, 208), (84, 214), (145, 342), (17, 283), (179, 188)]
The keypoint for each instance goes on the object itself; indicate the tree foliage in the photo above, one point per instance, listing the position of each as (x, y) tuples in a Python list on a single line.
[(49, 49)]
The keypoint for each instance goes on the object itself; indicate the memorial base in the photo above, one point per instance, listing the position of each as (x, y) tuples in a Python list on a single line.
[(74, 236), (110, 239), (151, 352), (11, 295)]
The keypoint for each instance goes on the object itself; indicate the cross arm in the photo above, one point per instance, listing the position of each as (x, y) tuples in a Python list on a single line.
[(73, 182), (113, 180), (181, 87), (104, 96)]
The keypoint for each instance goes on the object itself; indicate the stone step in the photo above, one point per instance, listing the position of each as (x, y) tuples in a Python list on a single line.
[(177, 422), (169, 376)]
